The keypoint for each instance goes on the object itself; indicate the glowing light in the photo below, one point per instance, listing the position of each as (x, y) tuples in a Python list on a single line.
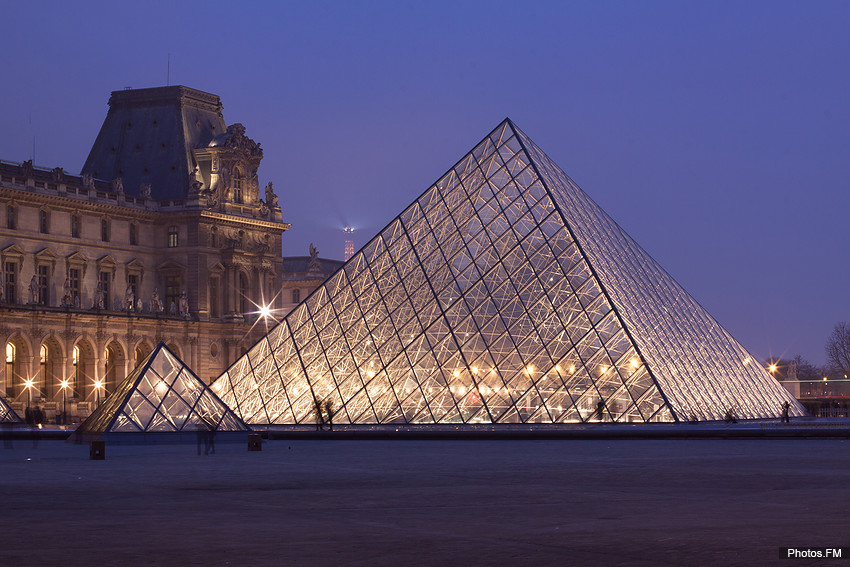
[(161, 387), (64, 384), (572, 368), (603, 368), (28, 383), (462, 389), (475, 370), (98, 384), (265, 311), (558, 368), (456, 373), (529, 369), (634, 363), (371, 374), (772, 368)]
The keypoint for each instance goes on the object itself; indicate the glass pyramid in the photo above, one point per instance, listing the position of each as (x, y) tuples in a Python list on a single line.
[(503, 294), (161, 395), (7, 414)]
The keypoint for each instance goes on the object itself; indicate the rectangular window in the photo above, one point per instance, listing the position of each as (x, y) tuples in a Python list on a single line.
[(172, 237), (74, 286), (104, 230), (133, 282), (296, 296), (132, 234), (11, 277), (43, 278), (214, 297), (43, 222), (11, 217), (172, 294), (75, 226), (103, 288)]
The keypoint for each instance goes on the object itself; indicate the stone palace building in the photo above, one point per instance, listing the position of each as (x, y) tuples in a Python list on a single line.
[(166, 235)]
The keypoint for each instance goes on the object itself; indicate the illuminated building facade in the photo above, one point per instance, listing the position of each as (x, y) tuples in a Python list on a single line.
[(165, 236), (503, 294)]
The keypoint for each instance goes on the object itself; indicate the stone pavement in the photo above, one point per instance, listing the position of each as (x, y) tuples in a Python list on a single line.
[(375, 503)]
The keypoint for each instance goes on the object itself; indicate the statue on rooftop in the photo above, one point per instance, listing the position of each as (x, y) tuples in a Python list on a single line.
[(27, 169), (145, 190), (271, 198), (314, 265), (118, 185)]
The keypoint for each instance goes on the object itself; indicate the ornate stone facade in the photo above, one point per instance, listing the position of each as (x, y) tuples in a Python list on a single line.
[(95, 271)]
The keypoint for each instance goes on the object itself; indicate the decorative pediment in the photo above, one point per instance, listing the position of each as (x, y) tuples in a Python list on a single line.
[(13, 251), (76, 258), (216, 268), (45, 256), (170, 265), (107, 262)]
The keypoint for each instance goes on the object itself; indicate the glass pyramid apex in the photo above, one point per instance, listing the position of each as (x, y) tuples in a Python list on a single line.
[(161, 394), (7, 414), (503, 294)]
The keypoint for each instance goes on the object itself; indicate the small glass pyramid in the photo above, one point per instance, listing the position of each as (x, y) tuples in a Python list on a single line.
[(503, 294), (7, 414), (161, 395)]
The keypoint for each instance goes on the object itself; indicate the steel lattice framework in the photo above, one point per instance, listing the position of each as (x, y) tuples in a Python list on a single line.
[(162, 394), (503, 294), (7, 414)]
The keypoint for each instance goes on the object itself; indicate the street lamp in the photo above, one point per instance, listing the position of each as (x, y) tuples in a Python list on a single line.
[(98, 384), (64, 385), (772, 368), (28, 386)]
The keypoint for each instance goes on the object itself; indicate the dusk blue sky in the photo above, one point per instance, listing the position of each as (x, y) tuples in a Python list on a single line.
[(716, 133)]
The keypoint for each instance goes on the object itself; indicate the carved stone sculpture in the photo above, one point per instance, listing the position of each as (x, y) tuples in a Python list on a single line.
[(118, 185), (314, 265), (145, 190), (271, 198)]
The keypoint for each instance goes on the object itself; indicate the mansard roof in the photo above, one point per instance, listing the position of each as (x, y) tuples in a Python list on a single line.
[(148, 137)]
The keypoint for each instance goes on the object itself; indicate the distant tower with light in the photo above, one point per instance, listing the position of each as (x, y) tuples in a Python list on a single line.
[(349, 242)]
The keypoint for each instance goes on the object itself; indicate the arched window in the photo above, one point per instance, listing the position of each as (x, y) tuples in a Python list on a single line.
[(79, 378), (142, 351), (11, 379), (237, 186), (43, 367), (114, 362)]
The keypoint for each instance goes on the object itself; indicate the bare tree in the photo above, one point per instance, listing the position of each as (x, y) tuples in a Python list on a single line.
[(838, 348)]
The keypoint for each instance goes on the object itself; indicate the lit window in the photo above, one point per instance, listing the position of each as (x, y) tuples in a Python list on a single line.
[(103, 287), (237, 186), (172, 237), (43, 277)]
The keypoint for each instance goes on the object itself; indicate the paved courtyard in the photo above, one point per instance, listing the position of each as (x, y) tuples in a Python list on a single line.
[(567, 502)]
